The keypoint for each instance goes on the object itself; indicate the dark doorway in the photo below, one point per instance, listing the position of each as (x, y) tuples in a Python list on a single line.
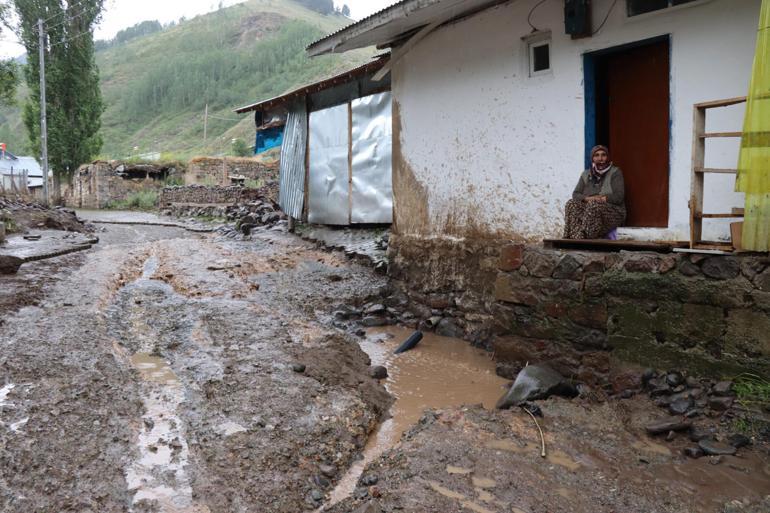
[(627, 108)]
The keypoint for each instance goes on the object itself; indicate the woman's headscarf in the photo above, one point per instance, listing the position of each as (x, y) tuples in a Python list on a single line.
[(596, 171)]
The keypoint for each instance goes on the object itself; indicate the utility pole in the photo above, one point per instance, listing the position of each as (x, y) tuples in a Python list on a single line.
[(43, 117), (205, 121)]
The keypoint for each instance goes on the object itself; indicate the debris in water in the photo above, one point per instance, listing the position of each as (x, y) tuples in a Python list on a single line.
[(409, 343), (536, 382)]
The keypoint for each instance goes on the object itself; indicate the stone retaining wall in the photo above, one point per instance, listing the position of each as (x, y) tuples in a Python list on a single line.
[(710, 314)]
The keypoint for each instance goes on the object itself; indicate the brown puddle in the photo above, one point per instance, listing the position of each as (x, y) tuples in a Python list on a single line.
[(440, 372)]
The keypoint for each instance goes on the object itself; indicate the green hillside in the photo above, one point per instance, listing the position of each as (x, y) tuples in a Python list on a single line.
[(156, 86)]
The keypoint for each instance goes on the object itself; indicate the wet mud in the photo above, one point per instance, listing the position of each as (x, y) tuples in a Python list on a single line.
[(171, 383)]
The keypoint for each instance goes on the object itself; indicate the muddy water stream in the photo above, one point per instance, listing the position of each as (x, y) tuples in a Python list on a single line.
[(440, 372)]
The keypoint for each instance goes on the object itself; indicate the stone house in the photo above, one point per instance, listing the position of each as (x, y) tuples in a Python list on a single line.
[(496, 105)]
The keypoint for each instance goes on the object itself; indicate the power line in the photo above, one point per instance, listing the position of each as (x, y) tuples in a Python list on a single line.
[(69, 6), (70, 39), (68, 20)]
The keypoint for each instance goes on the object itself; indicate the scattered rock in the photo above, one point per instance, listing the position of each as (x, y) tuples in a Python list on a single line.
[(372, 320), (378, 372), (368, 507), (693, 452), (723, 388), (714, 448), (369, 479), (680, 406), (374, 309), (738, 440), (328, 470), (536, 382), (674, 379), (298, 367), (10, 264), (668, 424), (720, 403)]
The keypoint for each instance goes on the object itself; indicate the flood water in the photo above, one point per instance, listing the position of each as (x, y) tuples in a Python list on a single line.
[(440, 372)]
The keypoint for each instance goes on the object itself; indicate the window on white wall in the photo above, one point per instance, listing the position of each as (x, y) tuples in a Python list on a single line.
[(636, 7), (539, 57)]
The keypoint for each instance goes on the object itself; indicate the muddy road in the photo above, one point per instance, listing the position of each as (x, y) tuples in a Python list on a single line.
[(167, 371)]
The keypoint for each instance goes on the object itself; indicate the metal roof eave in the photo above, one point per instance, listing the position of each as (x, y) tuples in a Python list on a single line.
[(393, 22), (347, 76)]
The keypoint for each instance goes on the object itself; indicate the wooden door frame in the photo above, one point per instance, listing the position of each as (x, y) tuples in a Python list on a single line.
[(589, 83)]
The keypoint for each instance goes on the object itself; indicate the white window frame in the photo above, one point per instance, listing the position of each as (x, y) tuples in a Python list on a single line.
[(535, 41)]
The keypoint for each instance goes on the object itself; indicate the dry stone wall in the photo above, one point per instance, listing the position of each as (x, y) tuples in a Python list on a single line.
[(581, 310), (204, 195), (220, 171)]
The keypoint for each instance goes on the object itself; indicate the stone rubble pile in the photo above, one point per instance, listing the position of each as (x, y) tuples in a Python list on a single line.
[(18, 214), (252, 214), (688, 401)]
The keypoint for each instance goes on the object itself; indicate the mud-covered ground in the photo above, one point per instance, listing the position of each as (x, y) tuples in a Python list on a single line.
[(167, 371), (177, 372)]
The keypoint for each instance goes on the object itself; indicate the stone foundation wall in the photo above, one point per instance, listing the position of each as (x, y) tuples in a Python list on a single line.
[(218, 171), (448, 284), (582, 310), (203, 195)]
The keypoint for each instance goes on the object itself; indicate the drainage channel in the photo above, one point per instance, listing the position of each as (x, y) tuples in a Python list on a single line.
[(440, 372)]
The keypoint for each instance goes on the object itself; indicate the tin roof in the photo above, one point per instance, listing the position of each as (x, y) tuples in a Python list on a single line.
[(392, 23), (342, 78)]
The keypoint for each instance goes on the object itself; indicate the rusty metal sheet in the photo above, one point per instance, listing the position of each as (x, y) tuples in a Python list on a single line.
[(291, 193), (372, 167), (328, 187)]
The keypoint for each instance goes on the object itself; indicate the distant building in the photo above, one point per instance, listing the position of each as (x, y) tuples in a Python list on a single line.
[(20, 172)]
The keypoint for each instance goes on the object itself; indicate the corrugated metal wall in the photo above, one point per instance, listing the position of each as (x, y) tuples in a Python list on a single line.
[(291, 195)]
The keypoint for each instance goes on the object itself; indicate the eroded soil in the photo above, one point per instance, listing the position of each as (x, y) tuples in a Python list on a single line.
[(160, 373)]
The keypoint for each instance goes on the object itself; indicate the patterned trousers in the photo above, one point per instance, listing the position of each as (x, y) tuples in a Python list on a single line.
[(591, 219)]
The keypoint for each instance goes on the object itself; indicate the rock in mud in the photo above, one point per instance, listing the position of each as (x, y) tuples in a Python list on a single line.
[(714, 448), (738, 440), (372, 321), (662, 426), (298, 368), (369, 507), (369, 480), (378, 372), (328, 470), (681, 406), (693, 452), (10, 264), (536, 382)]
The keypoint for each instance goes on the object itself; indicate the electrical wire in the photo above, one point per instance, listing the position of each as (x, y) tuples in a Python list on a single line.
[(70, 39), (69, 6), (68, 20), (605, 18), (529, 16)]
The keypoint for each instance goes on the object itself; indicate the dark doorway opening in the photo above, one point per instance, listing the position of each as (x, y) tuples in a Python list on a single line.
[(628, 109)]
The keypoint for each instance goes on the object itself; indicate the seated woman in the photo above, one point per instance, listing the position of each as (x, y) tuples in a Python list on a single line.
[(598, 204)]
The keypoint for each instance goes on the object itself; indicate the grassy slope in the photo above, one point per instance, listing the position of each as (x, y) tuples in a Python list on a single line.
[(223, 54)]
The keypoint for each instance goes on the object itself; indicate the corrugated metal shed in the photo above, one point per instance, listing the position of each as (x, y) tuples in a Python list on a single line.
[(291, 194)]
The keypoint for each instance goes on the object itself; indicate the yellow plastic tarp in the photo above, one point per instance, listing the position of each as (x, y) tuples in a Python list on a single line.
[(754, 161)]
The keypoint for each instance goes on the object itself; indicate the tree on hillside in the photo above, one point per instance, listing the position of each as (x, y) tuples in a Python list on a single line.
[(345, 10), (8, 72), (74, 101)]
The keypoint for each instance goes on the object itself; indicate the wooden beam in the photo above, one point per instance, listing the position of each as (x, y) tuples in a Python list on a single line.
[(696, 179), (720, 103), (721, 134), (719, 216), (715, 170)]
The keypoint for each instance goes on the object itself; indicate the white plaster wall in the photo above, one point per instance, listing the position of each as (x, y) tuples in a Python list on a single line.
[(501, 151)]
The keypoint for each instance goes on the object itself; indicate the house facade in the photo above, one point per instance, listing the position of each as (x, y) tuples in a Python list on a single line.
[(496, 109)]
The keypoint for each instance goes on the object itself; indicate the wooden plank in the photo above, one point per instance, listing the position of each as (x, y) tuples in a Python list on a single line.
[(721, 134), (696, 179), (398, 53), (609, 245), (716, 170), (738, 210), (720, 103), (720, 216)]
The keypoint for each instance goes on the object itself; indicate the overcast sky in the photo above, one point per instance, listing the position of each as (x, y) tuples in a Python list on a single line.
[(120, 14)]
